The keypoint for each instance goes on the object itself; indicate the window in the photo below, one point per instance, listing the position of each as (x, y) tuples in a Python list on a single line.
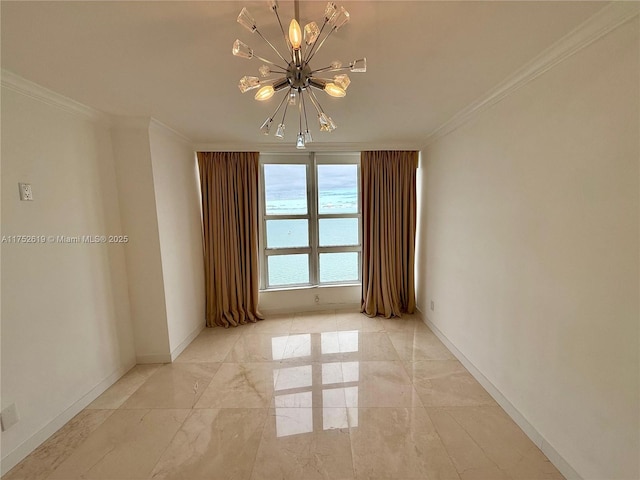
[(310, 229)]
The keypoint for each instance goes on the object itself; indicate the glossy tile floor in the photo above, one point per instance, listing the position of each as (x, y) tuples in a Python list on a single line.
[(329, 395)]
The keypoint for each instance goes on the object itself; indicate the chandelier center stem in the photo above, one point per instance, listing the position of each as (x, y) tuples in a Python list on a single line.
[(298, 75)]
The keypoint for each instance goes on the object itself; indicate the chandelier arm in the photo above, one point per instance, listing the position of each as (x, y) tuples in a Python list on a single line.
[(270, 63), (310, 52), (300, 115), (271, 45), (321, 43), (286, 38), (330, 69), (279, 107), (285, 107), (307, 48), (304, 108), (315, 102)]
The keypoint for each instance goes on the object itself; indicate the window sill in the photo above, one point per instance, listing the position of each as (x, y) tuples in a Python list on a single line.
[(309, 287)]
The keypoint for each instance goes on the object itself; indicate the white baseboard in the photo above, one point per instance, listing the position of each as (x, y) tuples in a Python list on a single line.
[(25, 448), (536, 437), (190, 338)]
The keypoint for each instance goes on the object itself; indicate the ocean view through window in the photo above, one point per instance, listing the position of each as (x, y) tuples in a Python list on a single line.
[(310, 229)]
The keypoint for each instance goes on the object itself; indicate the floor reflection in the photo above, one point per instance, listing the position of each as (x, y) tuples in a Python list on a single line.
[(292, 377), (339, 342), (291, 346), (327, 386), (293, 421)]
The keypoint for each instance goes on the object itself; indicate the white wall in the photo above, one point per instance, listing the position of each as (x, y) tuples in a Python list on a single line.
[(158, 188), (136, 191), (66, 332), (176, 186), (528, 246), (303, 299)]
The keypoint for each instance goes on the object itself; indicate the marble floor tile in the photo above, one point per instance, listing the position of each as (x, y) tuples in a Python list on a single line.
[(446, 383), (313, 347), (120, 391), (293, 377), (316, 385), (399, 443), (348, 320), (419, 344), (54, 451), (483, 440), (272, 323), (258, 347), (239, 385), (405, 323), (213, 444), (177, 385), (340, 345), (314, 322), (304, 443), (322, 395), (303, 347), (366, 346), (212, 345), (382, 384), (229, 331), (486, 473), (126, 446)]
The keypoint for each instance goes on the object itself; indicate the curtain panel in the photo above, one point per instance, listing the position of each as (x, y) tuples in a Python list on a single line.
[(229, 185), (388, 182)]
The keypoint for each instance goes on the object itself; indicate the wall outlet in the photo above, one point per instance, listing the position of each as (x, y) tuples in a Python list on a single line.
[(433, 305), (9, 417), (25, 192)]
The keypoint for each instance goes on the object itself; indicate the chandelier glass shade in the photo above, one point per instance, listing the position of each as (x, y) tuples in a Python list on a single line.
[(292, 72)]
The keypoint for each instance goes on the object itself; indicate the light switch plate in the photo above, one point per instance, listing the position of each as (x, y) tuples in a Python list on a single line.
[(25, 192)]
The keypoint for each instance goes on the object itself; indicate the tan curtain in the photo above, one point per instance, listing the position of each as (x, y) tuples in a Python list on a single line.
[(229, 183), (389, 230)]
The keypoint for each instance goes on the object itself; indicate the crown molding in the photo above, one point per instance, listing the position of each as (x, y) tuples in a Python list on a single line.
[(289, 147), (124, 122), (167, 130), (595, 27), (30, 89), (130, 122)]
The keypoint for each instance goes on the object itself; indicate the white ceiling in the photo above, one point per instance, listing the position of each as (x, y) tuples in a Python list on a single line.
[(172, 60)]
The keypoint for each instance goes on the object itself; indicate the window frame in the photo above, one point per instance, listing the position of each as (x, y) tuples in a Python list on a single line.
[(311, 160)]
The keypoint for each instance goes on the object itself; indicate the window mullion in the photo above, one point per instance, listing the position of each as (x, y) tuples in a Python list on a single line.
[(338, 215), (286, 217), (286, 251), (262, 234), (313, 220)]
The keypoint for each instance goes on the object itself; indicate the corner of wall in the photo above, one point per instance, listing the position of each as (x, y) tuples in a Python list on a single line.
[(138, 209), (176, 189), (536, 437)]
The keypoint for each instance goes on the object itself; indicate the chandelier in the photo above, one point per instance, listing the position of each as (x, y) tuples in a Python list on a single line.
[(293, 72)]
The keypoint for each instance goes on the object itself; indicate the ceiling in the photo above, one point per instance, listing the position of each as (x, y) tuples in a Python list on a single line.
[(172, 60)]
